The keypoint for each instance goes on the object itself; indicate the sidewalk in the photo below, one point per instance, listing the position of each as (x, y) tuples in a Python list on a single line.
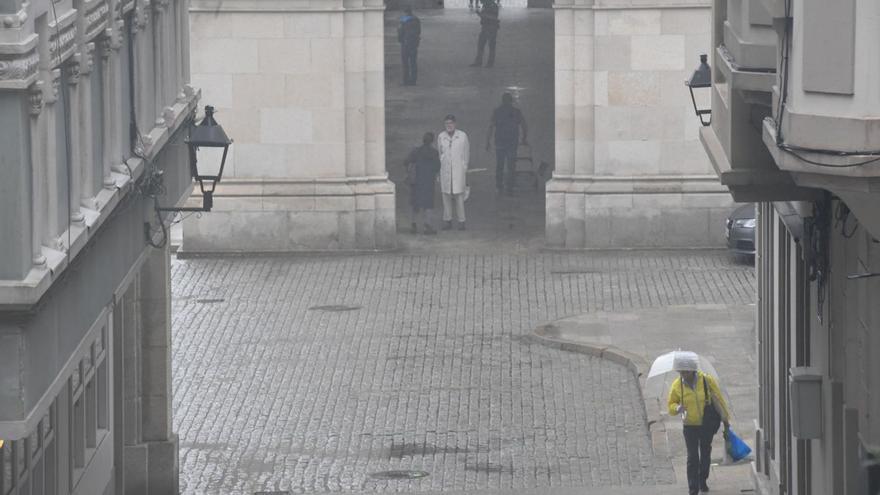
[(722, 333)]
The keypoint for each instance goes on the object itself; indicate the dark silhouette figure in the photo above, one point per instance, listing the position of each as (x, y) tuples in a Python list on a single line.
[(489, 26), (422, 167), (505, 125), (409, 33)]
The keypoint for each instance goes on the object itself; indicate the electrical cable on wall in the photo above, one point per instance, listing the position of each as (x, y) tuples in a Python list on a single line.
[(797, 151)]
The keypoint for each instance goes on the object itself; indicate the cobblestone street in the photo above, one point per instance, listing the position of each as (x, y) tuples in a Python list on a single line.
[(310, 373)]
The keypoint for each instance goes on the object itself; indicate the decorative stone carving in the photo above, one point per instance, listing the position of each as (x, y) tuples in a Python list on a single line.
[(35, 98), (61, 44), (39, 260), (51, 94), (73, 70), (96, 19), (16, 20), (105, 45), (19, 71), (125, 6), (86, 60), (168, 117)]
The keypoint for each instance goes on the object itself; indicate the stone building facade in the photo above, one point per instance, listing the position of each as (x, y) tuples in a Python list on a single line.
[(794, 129), (303, 82), (301, 85), (93, 103)]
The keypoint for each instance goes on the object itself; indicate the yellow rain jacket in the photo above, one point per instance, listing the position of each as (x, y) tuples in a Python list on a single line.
[(695, 399)]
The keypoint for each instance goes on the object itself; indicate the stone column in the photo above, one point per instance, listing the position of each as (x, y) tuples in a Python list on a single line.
[(38, 171), (15, 191), (112, 127), (150, 446), (143, 70), (299, 87), (53, 221), (160, 70), (629, 168), (75, 159), (84, 119), (155, 316), (355, 97)]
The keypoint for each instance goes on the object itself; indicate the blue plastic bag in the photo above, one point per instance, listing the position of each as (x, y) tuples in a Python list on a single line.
[(736, 448)]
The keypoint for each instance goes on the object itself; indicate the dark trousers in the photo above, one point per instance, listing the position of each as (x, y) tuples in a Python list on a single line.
[(409, 56), (505, 158), (486, 36), (698, 440)]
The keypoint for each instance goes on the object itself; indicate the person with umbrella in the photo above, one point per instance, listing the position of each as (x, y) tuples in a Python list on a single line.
[(698, 398)]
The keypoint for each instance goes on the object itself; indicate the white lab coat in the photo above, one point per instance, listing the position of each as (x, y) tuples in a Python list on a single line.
[(455, 154)]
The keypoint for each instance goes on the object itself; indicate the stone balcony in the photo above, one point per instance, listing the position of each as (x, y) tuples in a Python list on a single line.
[(744, 74)]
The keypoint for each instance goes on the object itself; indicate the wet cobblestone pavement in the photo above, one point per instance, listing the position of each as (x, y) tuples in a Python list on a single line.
[(308, 374)]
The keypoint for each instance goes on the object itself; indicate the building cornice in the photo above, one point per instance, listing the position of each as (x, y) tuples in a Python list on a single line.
[(285, 6), (629, 4), (20, 295)]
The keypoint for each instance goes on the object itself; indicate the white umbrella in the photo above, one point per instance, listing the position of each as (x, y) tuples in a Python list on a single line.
[(665, 370)]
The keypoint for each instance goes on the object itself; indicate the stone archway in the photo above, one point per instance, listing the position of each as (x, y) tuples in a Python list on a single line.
[(300, 87)]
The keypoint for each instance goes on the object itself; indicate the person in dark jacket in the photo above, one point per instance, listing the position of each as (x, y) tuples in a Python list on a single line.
[(489, 26), (505, 125), (409, 33), (423, 165)]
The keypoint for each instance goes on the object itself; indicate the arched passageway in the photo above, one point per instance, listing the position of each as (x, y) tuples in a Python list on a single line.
[(448, 85), (306, 92)]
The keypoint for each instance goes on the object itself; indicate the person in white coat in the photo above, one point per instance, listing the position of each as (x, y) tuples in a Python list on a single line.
[(455, 154)]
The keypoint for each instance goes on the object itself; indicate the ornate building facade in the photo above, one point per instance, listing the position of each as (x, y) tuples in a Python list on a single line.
[(93, 103)]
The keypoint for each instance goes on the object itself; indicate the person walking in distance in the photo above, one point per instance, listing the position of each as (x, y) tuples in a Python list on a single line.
[(697, 397), (455, 152), (505, 125), (423, 164), (409, 33), (489, 26)]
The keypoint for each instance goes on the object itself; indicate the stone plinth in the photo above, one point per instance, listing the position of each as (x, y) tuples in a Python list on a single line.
[(299, 87)]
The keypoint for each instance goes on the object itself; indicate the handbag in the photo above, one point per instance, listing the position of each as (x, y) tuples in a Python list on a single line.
[(711, 418)]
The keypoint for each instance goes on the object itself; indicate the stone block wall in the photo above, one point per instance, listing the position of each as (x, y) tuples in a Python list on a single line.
[(299, 87), (630, 170)]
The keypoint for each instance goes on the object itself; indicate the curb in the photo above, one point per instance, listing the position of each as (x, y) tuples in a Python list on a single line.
[(635, 363)]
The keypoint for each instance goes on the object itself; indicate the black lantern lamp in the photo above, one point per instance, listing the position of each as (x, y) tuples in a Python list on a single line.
[(207, 134), (702, 78)]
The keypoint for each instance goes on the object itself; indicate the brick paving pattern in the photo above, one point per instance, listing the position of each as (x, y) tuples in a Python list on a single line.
[(309, 373)]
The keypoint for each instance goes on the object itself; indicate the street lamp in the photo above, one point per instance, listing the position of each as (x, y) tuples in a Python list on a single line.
[(207, 134), (702, 78)]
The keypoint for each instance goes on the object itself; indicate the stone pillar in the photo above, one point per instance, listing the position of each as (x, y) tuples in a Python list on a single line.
[(150, 445), (630, 171), (15, 190), (75, 159), (300, 89), (38, 171), (84, 120), (53, 221), (143, 70), (155, 311), (112, 126)]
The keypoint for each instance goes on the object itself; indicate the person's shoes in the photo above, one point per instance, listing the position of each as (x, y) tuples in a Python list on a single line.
[(704, 488), (476, 64), (461, 226), (414, 228), (447, 225), (429, 230)]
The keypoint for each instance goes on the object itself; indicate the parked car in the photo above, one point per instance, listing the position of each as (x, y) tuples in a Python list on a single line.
[(740, 230)]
